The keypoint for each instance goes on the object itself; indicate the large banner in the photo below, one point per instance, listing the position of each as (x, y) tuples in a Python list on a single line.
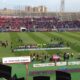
[(31, 49), (23, 59), (57, 64)]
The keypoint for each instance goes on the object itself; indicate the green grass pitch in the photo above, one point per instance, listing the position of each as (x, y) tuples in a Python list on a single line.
[(38, 38)]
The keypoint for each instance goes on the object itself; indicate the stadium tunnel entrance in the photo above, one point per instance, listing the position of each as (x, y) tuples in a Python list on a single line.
[(41, 78), (23, 29)]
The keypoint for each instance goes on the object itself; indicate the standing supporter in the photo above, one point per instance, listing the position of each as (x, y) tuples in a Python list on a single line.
[(72, 55), (66, 56)]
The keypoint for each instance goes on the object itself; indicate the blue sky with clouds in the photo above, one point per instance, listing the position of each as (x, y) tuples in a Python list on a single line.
[(53, 5)]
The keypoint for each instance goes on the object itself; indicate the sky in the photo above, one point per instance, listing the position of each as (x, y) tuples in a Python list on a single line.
[(52, 5)]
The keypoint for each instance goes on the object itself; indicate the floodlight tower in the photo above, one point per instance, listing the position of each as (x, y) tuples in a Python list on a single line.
[(62, 7)]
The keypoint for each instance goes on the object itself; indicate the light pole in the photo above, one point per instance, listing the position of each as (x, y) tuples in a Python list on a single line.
[(62, 7)]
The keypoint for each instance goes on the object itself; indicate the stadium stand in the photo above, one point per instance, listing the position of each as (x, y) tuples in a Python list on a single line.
[(48, 22)]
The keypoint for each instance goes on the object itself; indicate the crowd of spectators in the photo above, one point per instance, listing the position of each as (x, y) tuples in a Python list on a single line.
[(45, 57), (37, 23)]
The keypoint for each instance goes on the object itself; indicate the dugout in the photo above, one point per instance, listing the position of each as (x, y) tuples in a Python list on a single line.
[(60, 75)]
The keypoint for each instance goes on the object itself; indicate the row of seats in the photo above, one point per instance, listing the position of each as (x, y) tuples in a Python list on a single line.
[(47, 23)]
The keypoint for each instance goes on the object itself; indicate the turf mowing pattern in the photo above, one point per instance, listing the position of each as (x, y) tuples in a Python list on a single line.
[(37, 38)]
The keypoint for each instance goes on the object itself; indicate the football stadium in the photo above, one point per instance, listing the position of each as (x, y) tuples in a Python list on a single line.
[(36, 44)]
